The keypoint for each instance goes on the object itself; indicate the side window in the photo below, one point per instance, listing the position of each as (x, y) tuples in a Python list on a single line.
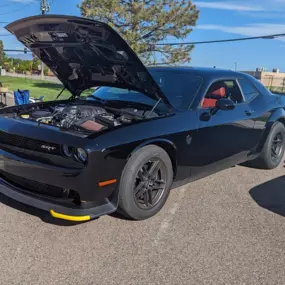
[(248, 89), (219, 89)]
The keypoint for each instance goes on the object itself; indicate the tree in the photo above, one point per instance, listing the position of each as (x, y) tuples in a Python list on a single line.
[(8, 64), (2, 54), (36, 63), (283, 84), (145, 22), (24, 66)]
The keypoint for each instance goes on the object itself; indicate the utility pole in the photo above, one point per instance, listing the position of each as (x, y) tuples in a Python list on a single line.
[(236, 64), (44, 8)]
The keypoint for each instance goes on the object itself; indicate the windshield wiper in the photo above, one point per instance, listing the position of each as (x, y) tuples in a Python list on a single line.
[(97, 98)]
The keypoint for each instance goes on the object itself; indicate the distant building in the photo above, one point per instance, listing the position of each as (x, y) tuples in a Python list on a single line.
[(275, 78)]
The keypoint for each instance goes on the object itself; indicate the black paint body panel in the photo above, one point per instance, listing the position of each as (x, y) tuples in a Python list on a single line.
[(197, 148)]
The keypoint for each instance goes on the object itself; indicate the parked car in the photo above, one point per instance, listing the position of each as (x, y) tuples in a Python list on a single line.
[(143, 132), (36, 72)]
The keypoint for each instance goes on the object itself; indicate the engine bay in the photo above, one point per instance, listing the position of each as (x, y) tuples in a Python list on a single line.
[(82, 117)]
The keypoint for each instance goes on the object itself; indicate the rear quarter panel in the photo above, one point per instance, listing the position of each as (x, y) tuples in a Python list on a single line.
[(270, 109)]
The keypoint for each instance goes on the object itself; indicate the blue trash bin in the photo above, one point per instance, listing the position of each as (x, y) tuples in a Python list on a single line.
[(21, 97)]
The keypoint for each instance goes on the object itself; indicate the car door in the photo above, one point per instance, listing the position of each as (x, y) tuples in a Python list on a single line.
[(224, 138)]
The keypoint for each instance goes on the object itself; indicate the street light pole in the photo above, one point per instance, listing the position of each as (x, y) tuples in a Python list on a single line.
[(236, 64), (44, 8)]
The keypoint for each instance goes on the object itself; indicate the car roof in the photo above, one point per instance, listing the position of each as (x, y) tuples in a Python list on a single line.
[(199, 71)]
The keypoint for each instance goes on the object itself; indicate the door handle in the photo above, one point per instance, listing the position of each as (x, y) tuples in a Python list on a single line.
[(249, 112)]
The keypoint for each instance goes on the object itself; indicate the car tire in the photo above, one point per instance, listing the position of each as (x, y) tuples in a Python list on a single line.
[(273, 149), (147, 169)]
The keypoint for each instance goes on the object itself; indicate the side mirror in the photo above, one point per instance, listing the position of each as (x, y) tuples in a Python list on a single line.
[(225, 104)]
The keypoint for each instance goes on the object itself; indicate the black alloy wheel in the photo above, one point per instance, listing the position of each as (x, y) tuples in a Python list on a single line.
[(150, 184), (145, 183), (277, 146), (273, 149)]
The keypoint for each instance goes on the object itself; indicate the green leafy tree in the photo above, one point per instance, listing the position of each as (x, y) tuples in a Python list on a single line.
[(8, 64), (2, 54), (283, 84), (16, 62), (24, 66), (36, 63), (46, 71), (145, 22)]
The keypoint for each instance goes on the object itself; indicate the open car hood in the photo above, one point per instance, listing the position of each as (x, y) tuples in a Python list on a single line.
[(85, 53)]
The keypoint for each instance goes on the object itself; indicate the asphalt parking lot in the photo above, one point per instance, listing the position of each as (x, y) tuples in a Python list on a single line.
[(225, 229)]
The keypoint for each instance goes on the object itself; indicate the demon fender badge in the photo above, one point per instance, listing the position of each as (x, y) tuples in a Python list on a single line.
[(188, 139), (47, 147)]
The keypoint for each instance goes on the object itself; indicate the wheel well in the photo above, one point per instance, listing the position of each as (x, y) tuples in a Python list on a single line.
[(171, 151), (281, 120)]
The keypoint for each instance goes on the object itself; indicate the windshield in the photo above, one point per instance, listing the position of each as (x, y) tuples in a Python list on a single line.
[(179, 88)]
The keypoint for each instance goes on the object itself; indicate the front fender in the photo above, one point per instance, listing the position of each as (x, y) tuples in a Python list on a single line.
[(158, 141), (121, 156), (165, 144)]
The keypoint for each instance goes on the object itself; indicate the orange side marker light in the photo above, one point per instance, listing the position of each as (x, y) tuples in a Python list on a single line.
[(107, 182)]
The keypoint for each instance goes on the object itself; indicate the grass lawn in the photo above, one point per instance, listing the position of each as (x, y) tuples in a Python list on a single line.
[(37, 87)]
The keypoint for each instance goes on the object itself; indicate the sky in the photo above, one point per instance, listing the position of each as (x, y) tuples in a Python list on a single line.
[(218, 20)]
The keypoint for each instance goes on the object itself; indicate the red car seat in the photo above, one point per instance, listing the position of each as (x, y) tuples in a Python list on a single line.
[(218, 89)]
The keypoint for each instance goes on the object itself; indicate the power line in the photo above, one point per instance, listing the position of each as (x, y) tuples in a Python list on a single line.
[(270, 37), (16, 10), (45, 8), (11, 4)]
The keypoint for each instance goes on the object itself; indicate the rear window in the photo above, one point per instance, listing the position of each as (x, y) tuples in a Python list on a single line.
[(249, 91)]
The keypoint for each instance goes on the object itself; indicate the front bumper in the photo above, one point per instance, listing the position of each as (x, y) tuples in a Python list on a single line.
[(97, 196), (66, 212), (59, 172), (93, 184)]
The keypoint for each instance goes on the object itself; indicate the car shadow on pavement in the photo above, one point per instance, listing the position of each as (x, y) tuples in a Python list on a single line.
[(271, 195), (43, 215)]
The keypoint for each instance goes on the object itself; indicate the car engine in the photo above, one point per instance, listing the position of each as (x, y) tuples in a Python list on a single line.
[(79, 117)]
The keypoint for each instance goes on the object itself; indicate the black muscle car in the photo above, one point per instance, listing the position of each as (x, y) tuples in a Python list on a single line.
[(142, 131)]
